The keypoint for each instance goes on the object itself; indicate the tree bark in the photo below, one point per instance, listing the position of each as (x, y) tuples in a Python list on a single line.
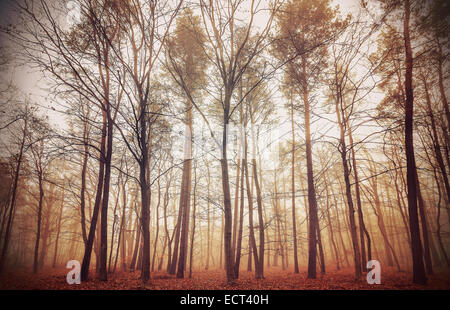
[(39, 220), (419, 276), (185, 199), (98, 197), (294, 220), (229, 259), (312, 202)]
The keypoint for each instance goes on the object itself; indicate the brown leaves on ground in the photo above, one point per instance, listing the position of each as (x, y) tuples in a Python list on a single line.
[(275, 279)]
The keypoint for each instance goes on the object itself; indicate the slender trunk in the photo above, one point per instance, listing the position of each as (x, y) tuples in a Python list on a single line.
[(136, 247), (294, 217), (221, 243), (339, 228), (229, 259), (419, 276), (362, 227), (83, 186), (340, 108), (280, 250), (145, 220), (236, 207), (208, 246), (58, 227), (103, 276), (321, 253), (191, 250), (113, 228), (285, 230), (252, 240), (380, 218), (144, 182), (312, 202), (424, 224), (330, 227), (123, 228), (169, 240), (184, 233), (173, 263), (121, 238), (157, 223), (249, 260), (95, 213), (241, 227), (401, 203), (185, 199), (39, 220), (259, 271)]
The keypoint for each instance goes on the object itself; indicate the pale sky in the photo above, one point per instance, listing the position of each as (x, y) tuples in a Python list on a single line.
[(33, 85)]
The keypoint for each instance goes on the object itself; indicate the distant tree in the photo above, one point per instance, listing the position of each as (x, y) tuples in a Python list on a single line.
[(304, 28)]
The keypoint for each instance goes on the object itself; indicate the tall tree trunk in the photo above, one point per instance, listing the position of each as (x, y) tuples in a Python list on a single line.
[(419, 276), (104, 209), (285, 229), (250, 259), (145, 221), (90, 242), (39, 220), (191, 248), (144, 182), (58, 226), (177, 231), (185, 199), (169, 239), (83, 184), (312, 202), (155, 244), (113, 228), (121, 238), (330, 227), (342, 148), (236, 207), (294, 217), (279, 249), (123, 228), (424, 224), (380, 217), (321, 253), (229, 259), (208, 206), (252, 239), (221, 242), (362, 227), (259, 272), (241, 227), (136, 246)]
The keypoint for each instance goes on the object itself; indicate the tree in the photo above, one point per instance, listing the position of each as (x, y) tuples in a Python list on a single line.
[(186, 64), (37, 138), (142, 34), (26, 117), (304, 27)]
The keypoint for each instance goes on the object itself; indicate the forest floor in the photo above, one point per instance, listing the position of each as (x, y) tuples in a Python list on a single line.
[(275, 279)]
